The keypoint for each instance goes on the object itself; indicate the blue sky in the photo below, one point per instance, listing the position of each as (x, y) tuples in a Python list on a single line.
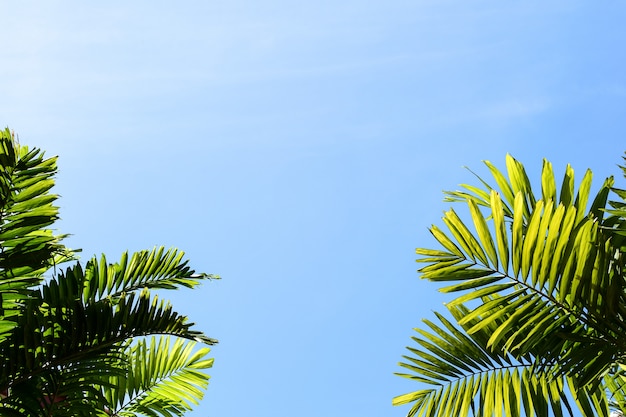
[(299, 150)]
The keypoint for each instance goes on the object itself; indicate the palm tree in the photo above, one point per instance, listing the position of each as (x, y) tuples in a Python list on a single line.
[(537, 324), (86, 339)]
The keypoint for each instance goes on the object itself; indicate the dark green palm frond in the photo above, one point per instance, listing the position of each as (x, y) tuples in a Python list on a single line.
[(75, 346), (81, 343), (24, 400), (162, 379), (71, 389), (51, 339), (132, 310), (60, 327)]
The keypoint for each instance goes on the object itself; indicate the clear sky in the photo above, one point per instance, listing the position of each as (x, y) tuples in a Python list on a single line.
[(299, 150)]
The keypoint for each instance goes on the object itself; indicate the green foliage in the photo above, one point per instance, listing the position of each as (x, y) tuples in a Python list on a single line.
[(161, 380), (74, 343), (539, 301), (26, 209)]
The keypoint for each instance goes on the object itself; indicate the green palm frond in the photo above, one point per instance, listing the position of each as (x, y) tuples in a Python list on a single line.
[(545, 262), (66, 340), (26, 210), (518, 182), (162, 379), (616, 222), (539, 289), (63, 327), (615, 382), (464, 377), (69, 339), (71, 389), (121, 291), (157, 268)]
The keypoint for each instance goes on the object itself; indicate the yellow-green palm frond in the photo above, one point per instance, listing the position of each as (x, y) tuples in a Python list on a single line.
[(162, 379), (462, 377), (538, 283)]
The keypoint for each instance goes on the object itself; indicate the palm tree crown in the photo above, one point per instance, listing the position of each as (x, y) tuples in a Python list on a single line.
[(86, 339)]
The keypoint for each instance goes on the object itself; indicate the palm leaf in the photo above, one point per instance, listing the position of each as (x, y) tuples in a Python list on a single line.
[(65, 340), (467, 378), (61, 330), (157, 268), (26, 210), (557, 262), (161, 379), (539, 286)]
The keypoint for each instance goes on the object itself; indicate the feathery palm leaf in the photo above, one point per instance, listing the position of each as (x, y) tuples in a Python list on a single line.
[(158, 268), (162, 379), (65, 341), (464, 376), (26, 209), (63, 327), (539, 280)]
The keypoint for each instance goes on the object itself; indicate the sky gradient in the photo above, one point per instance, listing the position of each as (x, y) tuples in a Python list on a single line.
[(299, 150)]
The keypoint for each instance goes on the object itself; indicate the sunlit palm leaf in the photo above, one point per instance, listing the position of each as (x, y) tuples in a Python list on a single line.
[(556, 261), (158, 268), (536, 277), (26, 210), (466, 378), (162, 379)]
